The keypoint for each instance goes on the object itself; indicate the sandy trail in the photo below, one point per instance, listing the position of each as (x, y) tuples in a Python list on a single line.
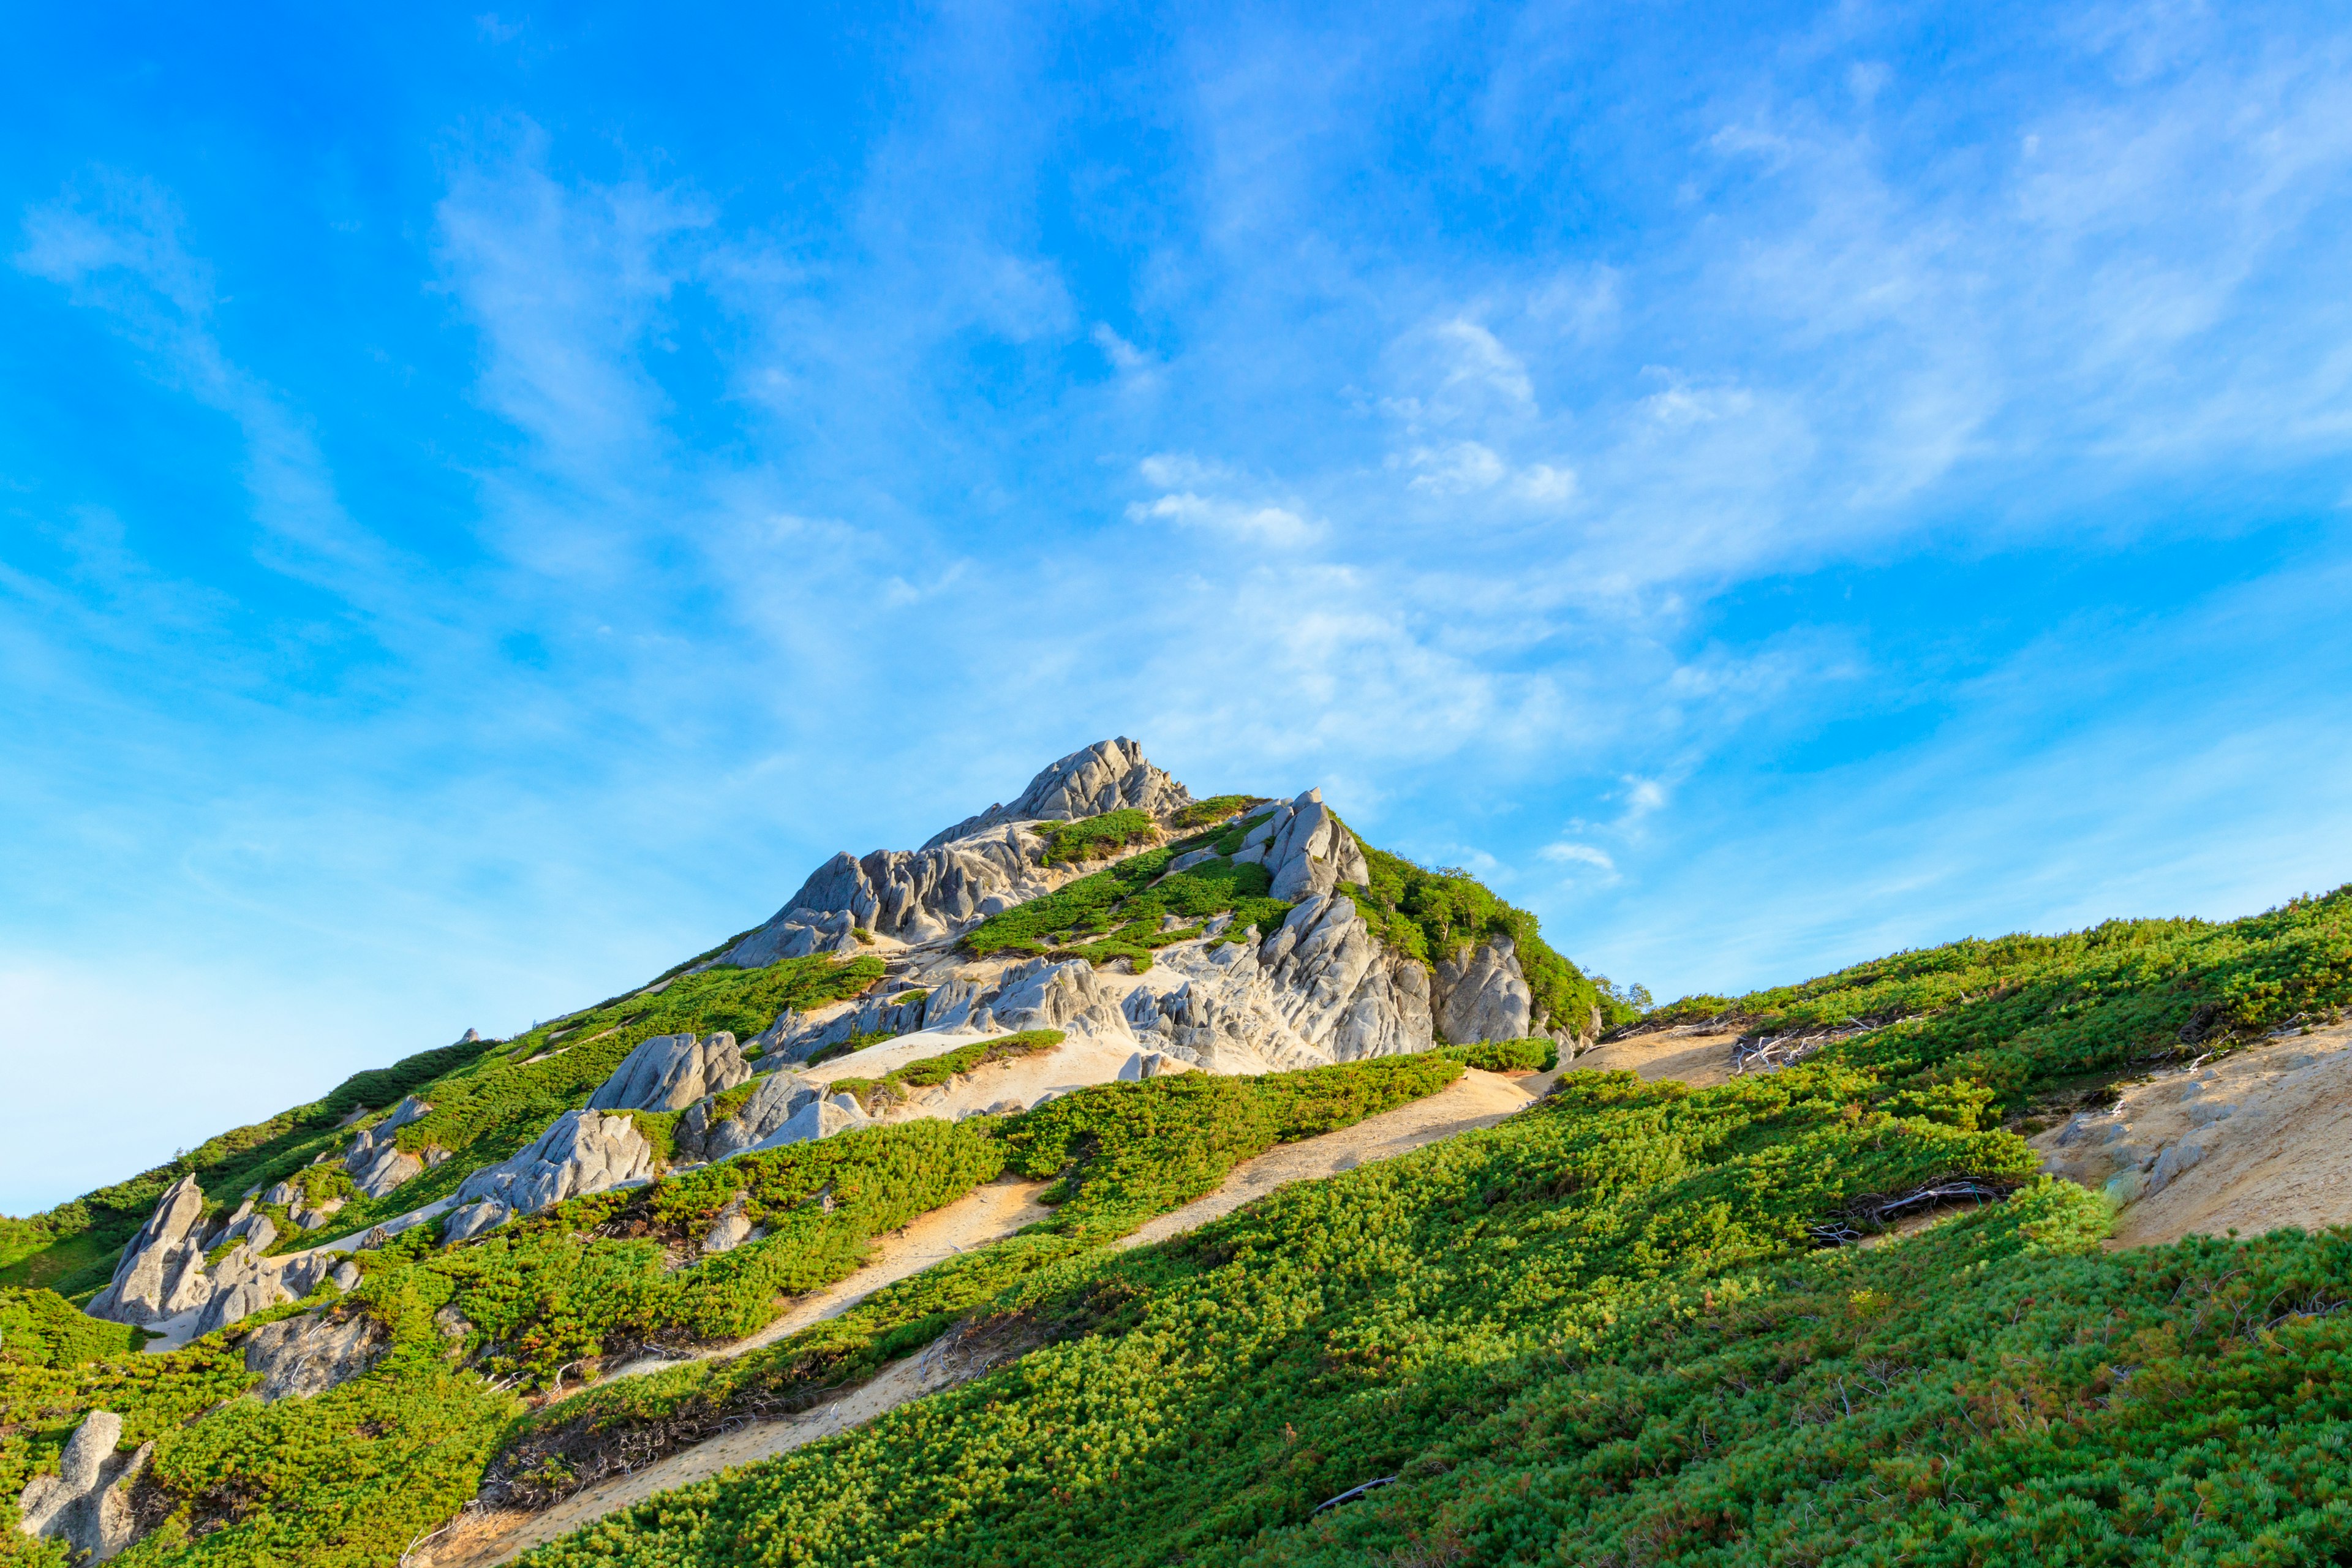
[(478, 1539), (1472, 1100), (1689, 1056)]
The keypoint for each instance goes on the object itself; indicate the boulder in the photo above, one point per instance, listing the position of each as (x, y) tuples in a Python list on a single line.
[(84, 1504), (817, 1119), (1152, 1064), (161, 1270), (1109, 775), (670, 1072), (310, 1354), (732, 1229), (580, 1152), (244, 1283), (1483, 995), (770, 1105)]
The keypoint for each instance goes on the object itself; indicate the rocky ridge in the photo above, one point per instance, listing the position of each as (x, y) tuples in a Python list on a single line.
[(1321, 987)]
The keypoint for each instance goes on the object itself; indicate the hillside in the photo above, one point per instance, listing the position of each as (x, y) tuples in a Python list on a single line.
[(1122, 1177)]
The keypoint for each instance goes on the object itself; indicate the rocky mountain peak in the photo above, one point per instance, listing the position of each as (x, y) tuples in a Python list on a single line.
[(1109, 775)]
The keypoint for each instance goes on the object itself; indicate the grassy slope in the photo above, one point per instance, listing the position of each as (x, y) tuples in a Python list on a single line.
[(1598, 1334), (351, 1476)]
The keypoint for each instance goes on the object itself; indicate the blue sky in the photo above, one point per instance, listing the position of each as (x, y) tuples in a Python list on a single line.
[(488, 501)]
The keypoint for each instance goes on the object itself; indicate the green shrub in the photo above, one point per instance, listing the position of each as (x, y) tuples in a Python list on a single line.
[(1538, 1055), (1124, 1152), (1206, 813), (1207, 1395), (42, 1329), (1093, 838), (1117, 913)]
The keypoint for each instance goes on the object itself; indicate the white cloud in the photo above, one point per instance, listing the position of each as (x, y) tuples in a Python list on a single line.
[(1241, 520)]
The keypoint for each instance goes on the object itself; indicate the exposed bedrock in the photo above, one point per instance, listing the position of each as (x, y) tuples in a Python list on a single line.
[(580, 1152), (703, 1135), (670, 1072), (161, 1270), (1109, 775)]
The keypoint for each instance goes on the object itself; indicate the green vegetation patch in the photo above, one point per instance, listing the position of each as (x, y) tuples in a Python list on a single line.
[(42, 1329), (2028, 1015), (927, 1072), (1123, 1152), (1202, 814), (1118, 912), (1433, 915), (1096, 837), (1207, 1395), (1540, 1053)]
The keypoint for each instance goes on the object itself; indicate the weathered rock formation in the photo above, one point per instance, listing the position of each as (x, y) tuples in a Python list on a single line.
[(1485, 995), (580, 1152), (670, 1072), (1109, 775), (1306, 849), (161, 1270), (376, 1163), (83, 1504), (310, 1354), (771, 1104)]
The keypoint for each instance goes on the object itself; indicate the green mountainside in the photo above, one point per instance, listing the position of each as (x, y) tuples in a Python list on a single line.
[(1635, 1323)]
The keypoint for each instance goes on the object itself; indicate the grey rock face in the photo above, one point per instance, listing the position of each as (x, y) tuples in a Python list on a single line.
[(817, 1119), (244, 1283), (1109, 775), (670, 1072), (580, 1152), (1305, 849), (83, 1504), (374, 1162), (1043, 995), (771, 1104), (919, 897), (161, 1270), (311, 1354), (1482, 994)]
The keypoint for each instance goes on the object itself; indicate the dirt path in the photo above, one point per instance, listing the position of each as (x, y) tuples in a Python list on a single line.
[(1472, 1100), (986, 1214), (479, 1540), (1699, 1059)]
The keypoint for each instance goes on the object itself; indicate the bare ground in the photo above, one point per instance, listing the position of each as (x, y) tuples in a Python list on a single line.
[(2248, 1144), (1689, 1056)]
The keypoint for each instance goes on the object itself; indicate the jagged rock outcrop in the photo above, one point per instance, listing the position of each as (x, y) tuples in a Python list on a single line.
[(817, 1119), (771, 1103), (376, 1163), (1483, 994), (670, 1072), (161, 1270), (298, 1357), (1042, 993), (244, 1282), (796, 1036), (1109, 775), (580, 1152), (914, 896), (84, 1504), (1306, 849)]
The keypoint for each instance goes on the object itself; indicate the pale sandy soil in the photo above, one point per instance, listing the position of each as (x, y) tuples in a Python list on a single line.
[(1472, 1100), (478, 1540), (1077, 1062), (2250, 1142), (1700, 1060)]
